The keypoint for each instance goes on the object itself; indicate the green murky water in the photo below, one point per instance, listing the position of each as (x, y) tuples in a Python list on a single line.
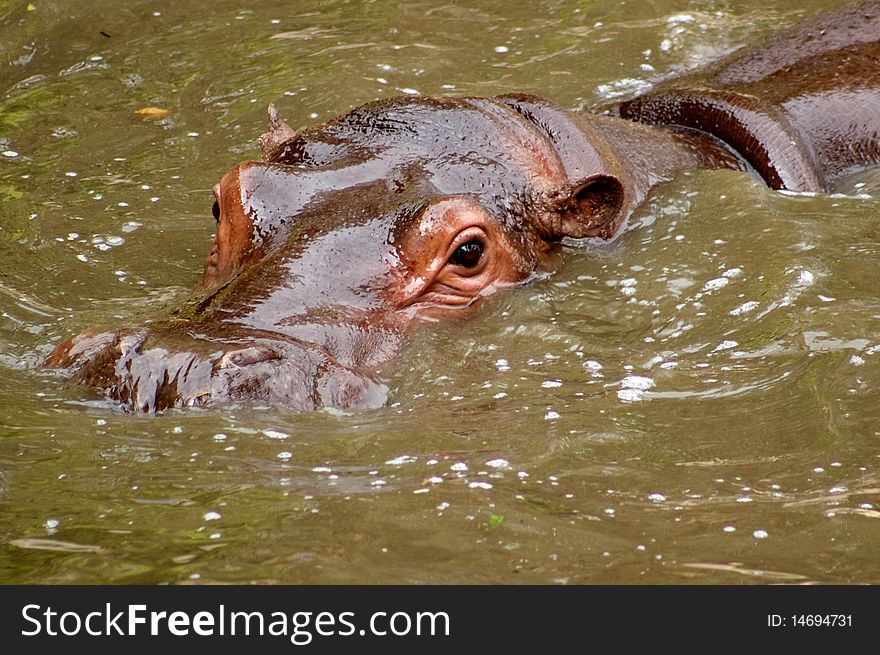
[(698, 403)]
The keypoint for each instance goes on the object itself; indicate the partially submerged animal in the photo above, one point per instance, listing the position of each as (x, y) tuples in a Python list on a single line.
[(329, 246)]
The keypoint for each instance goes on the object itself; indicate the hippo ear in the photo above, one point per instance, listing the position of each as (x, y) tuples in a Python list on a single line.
[(593, 207), (279, 133)]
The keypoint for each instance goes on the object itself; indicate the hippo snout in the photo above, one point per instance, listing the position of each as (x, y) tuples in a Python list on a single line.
[(151, 377)]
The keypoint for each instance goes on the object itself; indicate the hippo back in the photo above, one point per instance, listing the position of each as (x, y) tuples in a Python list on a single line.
[(803, 108)]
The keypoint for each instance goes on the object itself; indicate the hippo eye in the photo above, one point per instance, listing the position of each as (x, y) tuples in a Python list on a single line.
[(468, 254), (215, 210)]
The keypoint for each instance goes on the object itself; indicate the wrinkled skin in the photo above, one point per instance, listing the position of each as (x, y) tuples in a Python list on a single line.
[(331, 245)]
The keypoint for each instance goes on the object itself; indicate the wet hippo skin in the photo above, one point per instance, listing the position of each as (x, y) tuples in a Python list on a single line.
[(343, 233)]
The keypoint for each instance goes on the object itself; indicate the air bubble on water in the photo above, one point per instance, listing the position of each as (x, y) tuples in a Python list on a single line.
[(459, 466), (633, 387), (744, 308), (501, 49), (551, 415), (717, 283), (400, 460), (275, 434), (551, 384), (498, 463), (680, 18), (657, 498), (760, 534), (212, 516), (284, 455), (729, 528), (479, 485), (623, 87)]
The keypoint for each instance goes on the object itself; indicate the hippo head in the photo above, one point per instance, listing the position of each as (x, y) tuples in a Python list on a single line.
[(342, 233)]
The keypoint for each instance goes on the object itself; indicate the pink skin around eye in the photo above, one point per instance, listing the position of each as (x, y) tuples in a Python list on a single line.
[(431, 276)]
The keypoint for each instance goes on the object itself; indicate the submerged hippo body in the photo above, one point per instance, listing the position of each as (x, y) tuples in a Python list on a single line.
[(329, 246)]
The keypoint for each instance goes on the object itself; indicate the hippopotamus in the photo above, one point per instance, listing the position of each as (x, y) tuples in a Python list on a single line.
[(332, 244)]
